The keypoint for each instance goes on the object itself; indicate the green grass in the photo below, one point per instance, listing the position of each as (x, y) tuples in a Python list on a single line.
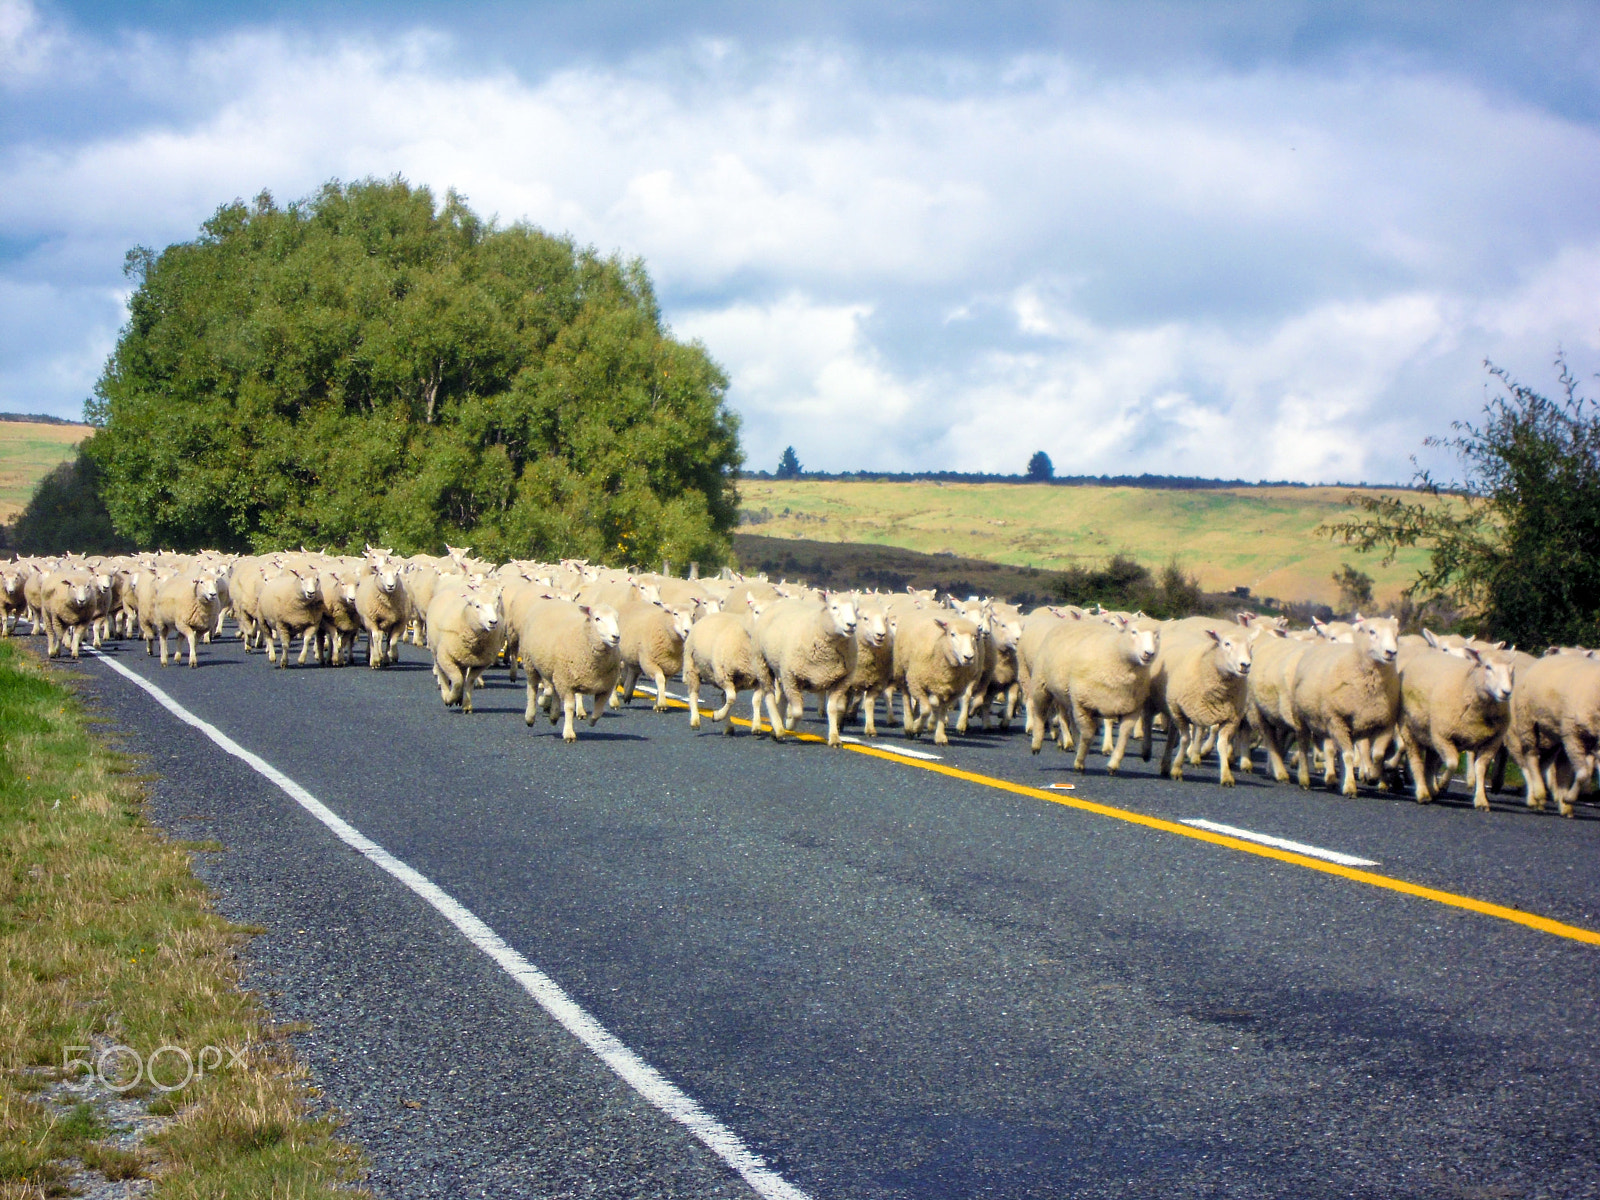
[(28, 452), (1261, 538), (105, 933)]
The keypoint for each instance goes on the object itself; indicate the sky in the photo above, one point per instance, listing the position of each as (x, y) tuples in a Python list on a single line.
[(1225, 238)]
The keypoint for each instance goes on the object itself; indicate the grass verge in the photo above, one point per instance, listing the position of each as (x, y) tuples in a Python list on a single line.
[(107, 939)]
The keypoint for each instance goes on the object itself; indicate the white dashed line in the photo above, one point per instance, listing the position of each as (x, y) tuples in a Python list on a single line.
[(891, 748), (637, 1073), (1266, 839)]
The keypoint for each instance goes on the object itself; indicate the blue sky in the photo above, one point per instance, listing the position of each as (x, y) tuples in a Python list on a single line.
[(1241, 239)]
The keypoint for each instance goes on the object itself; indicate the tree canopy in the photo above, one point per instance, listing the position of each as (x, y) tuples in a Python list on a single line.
[(1519, 551), (1040, 468), (367, 364)]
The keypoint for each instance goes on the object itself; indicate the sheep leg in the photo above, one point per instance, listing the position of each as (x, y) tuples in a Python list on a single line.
[(661, 691), (569, 708), (1417, 760), (1578, 757), (1303, 767), (691, 684), (193, 661), (835, 705), (305, 643), (730, 694), (530, 714), (962, 717), (1225, 735), (1347, 755), (1105, 735), (869, 702), (939, 711), (1501, 757), (779, 730), (1449, 760), (755, 711), (1037, 701), (77, 640), (1125, 730), (1533, 774), (1083, 723), (162, 638), (1178, 734), (1481, 766)]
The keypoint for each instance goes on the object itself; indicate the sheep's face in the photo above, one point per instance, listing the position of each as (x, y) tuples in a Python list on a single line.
[(603, 620), (483, 609), (387, 575), (80, 592), (206, 590), (872, 626), (310, 587), (682, 621), (1494, 676), (347, 592), (1146, 644), (960, 641), (1235, 650), (841, 613), (1379, 637)]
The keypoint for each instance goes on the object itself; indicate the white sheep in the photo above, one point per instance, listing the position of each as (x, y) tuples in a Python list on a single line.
[(1092, 670), (1203, 681), (571, 649), (719, 649), (805, 646), (1453, 703), (936, 659), (187, 604), (652, 644), (382, 607), (1555, 726), (1348, 692), (465, 633), (290, 605)]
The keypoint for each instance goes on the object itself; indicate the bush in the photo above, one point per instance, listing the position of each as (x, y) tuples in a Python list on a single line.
[(66, 512), (1518, 554), (1122, 583)]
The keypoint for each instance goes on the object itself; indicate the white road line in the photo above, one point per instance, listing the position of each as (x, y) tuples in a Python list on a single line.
[(892, 748), (1266, 839), (640, 1075)]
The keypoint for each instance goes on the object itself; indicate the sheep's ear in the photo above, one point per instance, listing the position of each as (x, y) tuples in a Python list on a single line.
[(1358, 619), (585, 610), (1472, 655), (942, 624), (1431, 638), (1244, 618), (1549, 650), (1214, 636)]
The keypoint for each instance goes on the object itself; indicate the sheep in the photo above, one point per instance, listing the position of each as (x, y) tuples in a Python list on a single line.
[(382, 607), (465, 633), (187, 603), (1555, 726), (68, 601), (999, 676), (1348, 692), (936, 658), (341, 622), (1091, 670), (873, 673), (652, 644), (1449, 704), (290, 604), (803, 646), (573, 650), (13, 604), (1270, 694), (719, 649), (1203, 683), (1037, 626)]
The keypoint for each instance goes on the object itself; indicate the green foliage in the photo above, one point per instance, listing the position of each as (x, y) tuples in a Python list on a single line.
[(1122, 583), (1521, 555), (366, 365), (1040, 468), (789, 464), (1355, 588), (66, 512)]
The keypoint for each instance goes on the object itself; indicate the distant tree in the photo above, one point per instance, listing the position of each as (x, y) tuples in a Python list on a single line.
[(1355, 588), (368, 364), (1040, 468), (1516, 547), (789, 465), (1124, 583), (66, 512)]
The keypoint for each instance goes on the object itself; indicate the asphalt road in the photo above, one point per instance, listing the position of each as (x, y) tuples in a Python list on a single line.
[(889, 982)]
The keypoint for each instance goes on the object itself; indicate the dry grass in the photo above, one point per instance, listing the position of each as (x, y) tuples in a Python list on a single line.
[(106, 936), (1261, 538), (28, 452)]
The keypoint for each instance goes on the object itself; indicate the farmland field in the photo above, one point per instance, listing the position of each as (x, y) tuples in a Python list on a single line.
[(28, 452), (1261, 538)]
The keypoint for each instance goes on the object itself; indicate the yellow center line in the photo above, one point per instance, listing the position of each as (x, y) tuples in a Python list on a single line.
[(1517, 916)]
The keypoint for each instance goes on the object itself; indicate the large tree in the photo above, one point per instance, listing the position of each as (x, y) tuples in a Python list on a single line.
[(369, 365)]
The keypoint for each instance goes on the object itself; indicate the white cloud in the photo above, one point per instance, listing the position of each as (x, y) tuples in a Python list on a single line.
[(917, 263)]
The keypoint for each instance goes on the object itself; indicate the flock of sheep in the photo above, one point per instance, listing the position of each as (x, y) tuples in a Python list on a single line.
[(1354, 697)]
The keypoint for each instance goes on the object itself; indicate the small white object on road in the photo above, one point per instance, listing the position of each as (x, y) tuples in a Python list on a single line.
[(1266, 839)]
